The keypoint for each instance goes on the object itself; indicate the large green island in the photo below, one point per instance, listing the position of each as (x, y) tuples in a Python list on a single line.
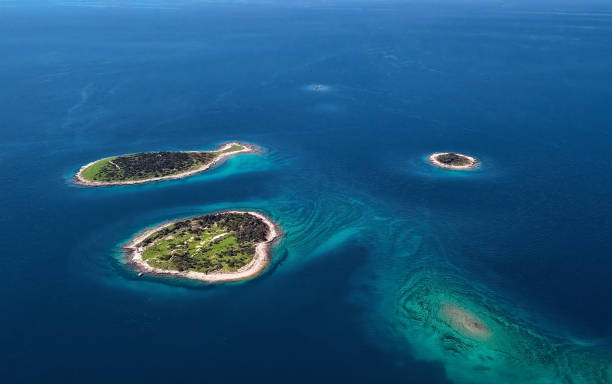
[(216, 247), (138, 168), (450, 160)]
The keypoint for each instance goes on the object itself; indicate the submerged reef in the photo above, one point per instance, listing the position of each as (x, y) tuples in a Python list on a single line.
[(478, 342)]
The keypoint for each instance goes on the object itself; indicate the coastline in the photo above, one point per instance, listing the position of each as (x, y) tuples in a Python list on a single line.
[(433, 161), (248, 148), (256, 266)]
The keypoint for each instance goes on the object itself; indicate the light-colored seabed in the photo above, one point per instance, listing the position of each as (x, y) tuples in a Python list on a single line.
[(510, 351), (431, 312)]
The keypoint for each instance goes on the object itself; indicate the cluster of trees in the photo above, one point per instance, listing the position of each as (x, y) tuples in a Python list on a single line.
[(453, 159), (151, 164), (161, 233), (247, 228)]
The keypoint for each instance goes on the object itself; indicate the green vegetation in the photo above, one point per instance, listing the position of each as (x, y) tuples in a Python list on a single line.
[(148, 165), (141, 166), (90, 172), (453, 159), (222, 242), (233, 148)]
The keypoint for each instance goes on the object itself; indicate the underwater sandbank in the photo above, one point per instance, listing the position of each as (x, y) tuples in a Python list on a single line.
[(464, 321)]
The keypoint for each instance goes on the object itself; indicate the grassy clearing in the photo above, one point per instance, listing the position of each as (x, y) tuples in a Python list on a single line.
[(212, 243), (233, 148), (90, 172)]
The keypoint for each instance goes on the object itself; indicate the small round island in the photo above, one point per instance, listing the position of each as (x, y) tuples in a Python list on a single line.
[(216, 247), (454, 161)]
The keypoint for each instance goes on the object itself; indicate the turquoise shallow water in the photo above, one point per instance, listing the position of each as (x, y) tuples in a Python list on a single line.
[(376, 241)]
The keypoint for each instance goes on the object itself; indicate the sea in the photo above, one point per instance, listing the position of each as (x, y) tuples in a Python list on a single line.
[(346, 99)]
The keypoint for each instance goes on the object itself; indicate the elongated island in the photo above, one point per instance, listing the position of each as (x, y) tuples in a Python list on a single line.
[(455, 161), (146, 167), (216, 247)]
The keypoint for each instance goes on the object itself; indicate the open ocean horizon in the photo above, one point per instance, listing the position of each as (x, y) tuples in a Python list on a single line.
[(376, 240)]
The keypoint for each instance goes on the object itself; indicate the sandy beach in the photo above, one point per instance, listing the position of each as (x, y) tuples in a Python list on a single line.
[(433, 160), (248, 148), (259, 263)]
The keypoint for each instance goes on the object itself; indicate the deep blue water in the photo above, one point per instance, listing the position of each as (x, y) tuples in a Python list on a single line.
[(375, 238)]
